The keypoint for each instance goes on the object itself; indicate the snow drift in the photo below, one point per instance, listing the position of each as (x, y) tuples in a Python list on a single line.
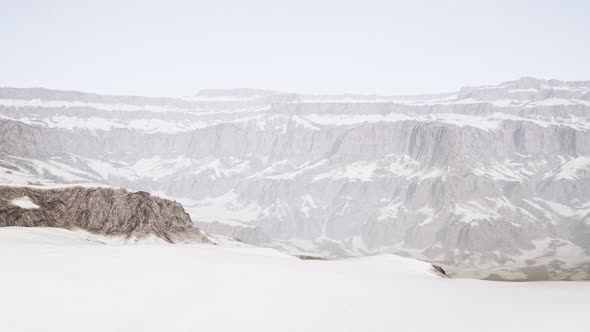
[(59, 280)]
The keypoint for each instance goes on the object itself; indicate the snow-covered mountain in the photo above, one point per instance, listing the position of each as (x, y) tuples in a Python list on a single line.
[(485, 177)]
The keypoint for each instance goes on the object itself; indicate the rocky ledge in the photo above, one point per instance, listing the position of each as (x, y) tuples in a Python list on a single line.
[(103, 211)]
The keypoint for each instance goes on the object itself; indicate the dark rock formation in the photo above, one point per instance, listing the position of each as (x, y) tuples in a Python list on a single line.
[(311, 258), (104, 211), (439, 270)]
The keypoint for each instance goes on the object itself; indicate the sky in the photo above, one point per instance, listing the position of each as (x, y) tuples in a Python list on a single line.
[(175, 48)]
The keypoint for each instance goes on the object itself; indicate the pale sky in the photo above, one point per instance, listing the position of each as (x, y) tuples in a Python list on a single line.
[(174, 48)]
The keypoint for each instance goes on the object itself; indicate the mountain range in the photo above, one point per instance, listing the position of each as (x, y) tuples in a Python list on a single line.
[(491, 181)]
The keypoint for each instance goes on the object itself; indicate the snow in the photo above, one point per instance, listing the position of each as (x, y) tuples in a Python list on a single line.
[(110, 169), (307, 204), (286, 170), (223, 98), (390, 211), (358, 171), (473, 211), (62, 171), (94, 123), (304, 123), (569, 170), (564, 210), (227, 207), (14, 176), (24, 202), (223, 168), (278, 209), (190, 120), (17, 176), (70, 122), (500, 172), (558, 102), (68, 104), (44, 169), (460, 120), (353, 119), (532, 90), (157, 167), (58, 280), (118, 117)]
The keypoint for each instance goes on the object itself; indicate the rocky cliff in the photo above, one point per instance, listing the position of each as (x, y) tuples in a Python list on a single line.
[(104, 211)]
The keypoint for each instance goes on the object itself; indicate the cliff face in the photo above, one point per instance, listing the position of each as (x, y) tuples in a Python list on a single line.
[(104, 211), (486, 175)]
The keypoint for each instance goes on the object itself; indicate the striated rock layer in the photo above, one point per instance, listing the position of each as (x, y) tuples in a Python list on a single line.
[(104, 211)]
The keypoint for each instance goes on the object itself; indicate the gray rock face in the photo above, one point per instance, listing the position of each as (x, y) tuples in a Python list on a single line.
[(482, 177), (103, 211)]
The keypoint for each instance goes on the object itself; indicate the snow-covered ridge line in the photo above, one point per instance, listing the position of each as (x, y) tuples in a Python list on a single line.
[(60, 98), (38, 103), (311, 121), (485, 116)]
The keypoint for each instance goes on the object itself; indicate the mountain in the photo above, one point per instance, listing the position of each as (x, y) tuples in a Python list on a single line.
[(493, 181)]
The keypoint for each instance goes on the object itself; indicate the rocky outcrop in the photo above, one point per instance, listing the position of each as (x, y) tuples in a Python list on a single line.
[(439, 270), (104, 211)]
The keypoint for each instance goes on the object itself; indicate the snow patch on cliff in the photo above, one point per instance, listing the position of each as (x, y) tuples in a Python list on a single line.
[(24, 202)]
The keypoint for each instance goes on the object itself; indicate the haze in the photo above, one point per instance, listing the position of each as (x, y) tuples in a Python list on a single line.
[(174, 48)]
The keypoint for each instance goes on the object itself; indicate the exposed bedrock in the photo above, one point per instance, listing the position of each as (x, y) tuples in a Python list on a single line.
[(104, 211)]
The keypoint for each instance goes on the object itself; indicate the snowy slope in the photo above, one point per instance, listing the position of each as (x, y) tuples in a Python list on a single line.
[(484, 177), (58, 280)]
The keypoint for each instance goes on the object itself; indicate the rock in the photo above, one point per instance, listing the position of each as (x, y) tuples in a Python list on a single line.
[(104, 211), (311, 258), (439, 270)]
